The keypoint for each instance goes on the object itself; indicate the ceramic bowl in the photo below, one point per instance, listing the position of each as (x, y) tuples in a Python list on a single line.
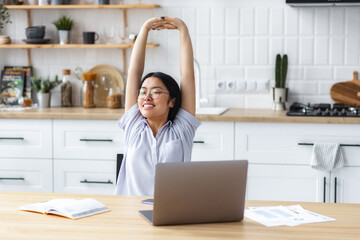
[(36, 32)]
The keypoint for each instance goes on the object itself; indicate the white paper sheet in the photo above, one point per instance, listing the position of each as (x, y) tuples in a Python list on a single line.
[(284, 215)]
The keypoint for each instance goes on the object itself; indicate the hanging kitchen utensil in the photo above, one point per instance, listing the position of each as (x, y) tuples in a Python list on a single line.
[(347, 92)]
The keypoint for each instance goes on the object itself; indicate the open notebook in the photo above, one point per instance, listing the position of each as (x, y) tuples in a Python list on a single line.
[(69, 208)]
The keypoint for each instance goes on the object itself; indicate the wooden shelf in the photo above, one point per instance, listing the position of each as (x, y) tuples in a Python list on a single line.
[(28, 46), (47, 7), (122, 7)]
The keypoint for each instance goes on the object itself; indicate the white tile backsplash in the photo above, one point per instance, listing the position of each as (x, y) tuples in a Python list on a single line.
[(247, 21), (261, 21), (352, 50), (232, 51), (292, 21), (337, 21), (322, 21), (247, 51), (217, 21), (307, 21), (276, 21), (203, 21), (306, 51), (337, 48), (232, 21), (319, 73), (217, 50), (232, 39), (321, 51), (352, 24), (292, 49), (345, 73), (261, 51)]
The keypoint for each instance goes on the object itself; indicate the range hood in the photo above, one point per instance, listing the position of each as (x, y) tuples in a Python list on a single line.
[(323, 3)]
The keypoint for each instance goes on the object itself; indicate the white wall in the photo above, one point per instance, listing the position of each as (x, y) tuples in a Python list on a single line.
[(232, 39)]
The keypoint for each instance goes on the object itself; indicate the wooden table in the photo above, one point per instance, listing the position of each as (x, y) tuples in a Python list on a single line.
[(124, 222)]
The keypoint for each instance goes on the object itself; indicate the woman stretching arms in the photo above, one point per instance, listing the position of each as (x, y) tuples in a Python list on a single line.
[(159, 122)]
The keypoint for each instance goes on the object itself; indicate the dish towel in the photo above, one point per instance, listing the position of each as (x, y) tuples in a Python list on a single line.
[(327, 156)]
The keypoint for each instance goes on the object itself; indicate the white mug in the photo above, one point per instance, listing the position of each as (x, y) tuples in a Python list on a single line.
[(43, 2)]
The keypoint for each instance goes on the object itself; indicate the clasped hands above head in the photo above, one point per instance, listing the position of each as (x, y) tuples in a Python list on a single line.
[(165, 23)]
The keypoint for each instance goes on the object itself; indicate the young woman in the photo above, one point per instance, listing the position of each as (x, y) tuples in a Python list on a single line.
[(159, 122)]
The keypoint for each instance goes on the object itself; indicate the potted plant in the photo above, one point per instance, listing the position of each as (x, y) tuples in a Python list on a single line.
[(280, 91), (64, 25), (4, 19), (43, 89)]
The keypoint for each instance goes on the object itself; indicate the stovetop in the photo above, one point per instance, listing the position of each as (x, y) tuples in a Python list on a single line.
[(323, 110)]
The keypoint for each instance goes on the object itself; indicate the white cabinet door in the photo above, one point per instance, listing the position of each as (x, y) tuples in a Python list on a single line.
[(278, 143), (28, 138), (214, 141), (81, 176), (286, 183), (26, 175), (87, 139), (345, 185)]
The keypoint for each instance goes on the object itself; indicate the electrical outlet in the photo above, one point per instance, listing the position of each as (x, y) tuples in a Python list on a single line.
[(262, 85), (220, 85), (251, 86), (240, 85), (230, 85)]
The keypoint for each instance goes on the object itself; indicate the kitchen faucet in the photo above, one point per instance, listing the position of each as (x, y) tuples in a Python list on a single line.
[(200, 100)]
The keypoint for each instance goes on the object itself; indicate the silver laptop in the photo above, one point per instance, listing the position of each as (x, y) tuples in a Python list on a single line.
[(198, 192)]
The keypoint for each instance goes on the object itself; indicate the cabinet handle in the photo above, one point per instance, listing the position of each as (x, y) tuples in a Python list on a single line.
[(198, 141), (95, 140), (335, 190), (11, 138), (324, 200), (9, 178), (341, 145), (86, 181)]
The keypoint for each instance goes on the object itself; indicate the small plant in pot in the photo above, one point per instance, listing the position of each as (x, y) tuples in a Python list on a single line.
[(43, 89), (64, 25), (280, 91), (4, 19)]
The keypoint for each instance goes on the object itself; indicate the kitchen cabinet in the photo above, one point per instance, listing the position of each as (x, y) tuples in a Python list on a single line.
[(285, 182), (87, 139), (214, 141), (85, 155), (84, 176), (345, 188), (278, 164), (26, 155), (122, 7)]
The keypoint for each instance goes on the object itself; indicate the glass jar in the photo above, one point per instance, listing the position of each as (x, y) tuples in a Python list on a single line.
[(114, 97), (88, 94), (66, 89)]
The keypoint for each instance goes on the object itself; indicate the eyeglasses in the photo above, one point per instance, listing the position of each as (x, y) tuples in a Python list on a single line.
[(154, 93)]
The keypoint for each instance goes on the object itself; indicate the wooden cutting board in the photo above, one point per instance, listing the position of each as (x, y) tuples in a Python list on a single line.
[(347, 92)]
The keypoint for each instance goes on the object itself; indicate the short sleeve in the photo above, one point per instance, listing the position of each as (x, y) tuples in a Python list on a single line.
[(130, 120), (185, 124)]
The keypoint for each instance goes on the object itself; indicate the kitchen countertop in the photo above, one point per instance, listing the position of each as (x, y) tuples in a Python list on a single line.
[(231, 115), (124, 222)]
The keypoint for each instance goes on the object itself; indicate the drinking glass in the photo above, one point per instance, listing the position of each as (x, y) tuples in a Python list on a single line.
[(122, 34), (109, 33)]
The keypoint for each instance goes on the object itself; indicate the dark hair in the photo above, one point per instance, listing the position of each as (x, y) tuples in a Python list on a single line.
[(173, 89)]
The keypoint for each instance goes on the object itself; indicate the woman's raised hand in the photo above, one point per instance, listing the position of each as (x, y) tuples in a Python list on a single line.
[(169, 23)]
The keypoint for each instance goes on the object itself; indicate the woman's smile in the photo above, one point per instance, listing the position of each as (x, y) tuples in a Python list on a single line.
[(148, 106)]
